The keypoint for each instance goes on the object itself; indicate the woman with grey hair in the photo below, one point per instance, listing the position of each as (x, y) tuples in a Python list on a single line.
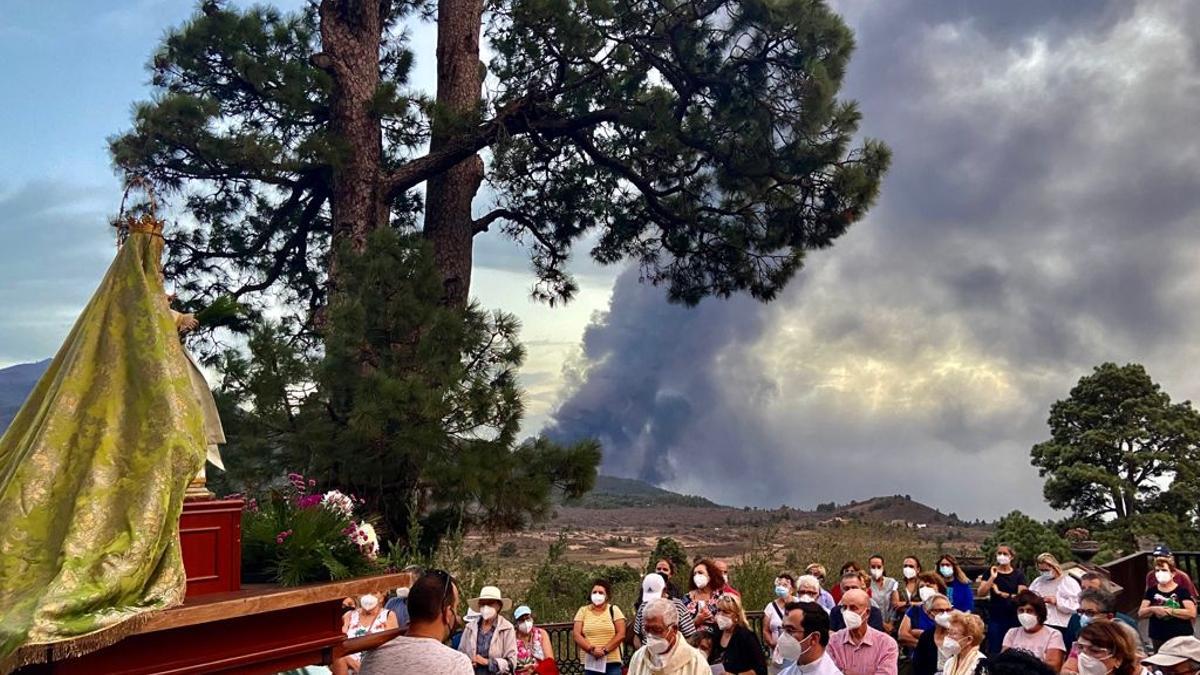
[(808, 589), (666, 652), (928, 657)]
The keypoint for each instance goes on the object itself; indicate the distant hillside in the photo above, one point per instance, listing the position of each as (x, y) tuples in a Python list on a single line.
[(616, 493), (15, 384), (886, 509)]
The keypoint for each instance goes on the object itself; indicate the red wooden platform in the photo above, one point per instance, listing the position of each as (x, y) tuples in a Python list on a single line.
[(263, 629)]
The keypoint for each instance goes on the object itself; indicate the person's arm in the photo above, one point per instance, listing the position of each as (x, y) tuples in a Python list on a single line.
[(897, 604), (508, 652), (1188, 611), (889, 658), (1068, 595), (1054, 658), (391, 621), (985, 585), (686, 625), (617, 639), (1145, 611), (547, 648), (580, 639), (908, 636), (768, 635)]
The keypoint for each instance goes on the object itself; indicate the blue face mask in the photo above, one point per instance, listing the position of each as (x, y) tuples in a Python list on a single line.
[(1084, 620), (782, 591), (946, 570)]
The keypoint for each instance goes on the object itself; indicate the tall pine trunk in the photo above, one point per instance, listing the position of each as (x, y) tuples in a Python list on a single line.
[(448, 197), (350, 33)]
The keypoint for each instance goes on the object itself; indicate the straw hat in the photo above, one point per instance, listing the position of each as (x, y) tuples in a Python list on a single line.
[(490, 593)]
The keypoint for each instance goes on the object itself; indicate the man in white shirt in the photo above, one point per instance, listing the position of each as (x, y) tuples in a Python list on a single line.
[(665, 651), (804, 638), (432, 613)]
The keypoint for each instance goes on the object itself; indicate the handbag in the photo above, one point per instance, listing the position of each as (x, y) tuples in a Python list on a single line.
[(546, 667)]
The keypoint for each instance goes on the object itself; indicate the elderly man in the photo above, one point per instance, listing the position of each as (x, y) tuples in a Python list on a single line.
[(850, 582), (1177, 656), (665, 651), (723, 567), (1096, 604), (804, 640), (859, 649)]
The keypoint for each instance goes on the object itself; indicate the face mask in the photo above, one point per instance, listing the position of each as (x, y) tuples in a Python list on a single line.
[(701, 580), (487, 612), (791, 649), (1084, 620), (1163, 577), (950, 646), (657, 645), (1028, 621), (910, 572), (782, 591), (1002, 559), (926, 593), (1048, 575), (598, 599), (724, 622), (942, 619), (806, 597), (368, 602), (853, 620), (525, 626), (876, 572), (946, 570), (402, 593), (1090, 665)]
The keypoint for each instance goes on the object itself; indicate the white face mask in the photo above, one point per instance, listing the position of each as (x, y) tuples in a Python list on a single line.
[(950, 646), (876, 572), (926, 593), (943, 619), (598, 599), (724, 622), (806, 597), (402, 593), (853, 620), (1163, 576), (368, 602), (487, 612), (791, 649), (525, 626), (1090, 665), (1003, 559), (910, 572), (1048, 575), (1027, 620), (657, 646), (701, 580)]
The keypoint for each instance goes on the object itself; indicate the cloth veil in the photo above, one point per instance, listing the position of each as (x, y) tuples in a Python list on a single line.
[(93, 471)]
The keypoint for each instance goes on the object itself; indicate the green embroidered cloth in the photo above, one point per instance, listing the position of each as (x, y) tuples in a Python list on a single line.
[(93, 471)]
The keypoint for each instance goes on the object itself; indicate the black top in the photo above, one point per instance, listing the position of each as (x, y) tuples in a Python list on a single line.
[(1003, 611), (925, 656), (1163, 627), (744, 652), (837, 622)]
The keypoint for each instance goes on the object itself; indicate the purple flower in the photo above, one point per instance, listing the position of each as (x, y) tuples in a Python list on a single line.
[(312, 482), (309, 501)]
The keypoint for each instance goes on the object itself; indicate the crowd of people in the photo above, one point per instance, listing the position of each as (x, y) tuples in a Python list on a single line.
[(867, 623)]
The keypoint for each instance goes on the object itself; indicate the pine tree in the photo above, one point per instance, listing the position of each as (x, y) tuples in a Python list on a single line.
[(701, 139), (411, 406)]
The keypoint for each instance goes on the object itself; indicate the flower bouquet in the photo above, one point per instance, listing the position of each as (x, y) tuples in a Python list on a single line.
[(297, 535)]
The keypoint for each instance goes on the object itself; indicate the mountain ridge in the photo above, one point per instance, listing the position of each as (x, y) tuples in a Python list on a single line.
[(15, 384)]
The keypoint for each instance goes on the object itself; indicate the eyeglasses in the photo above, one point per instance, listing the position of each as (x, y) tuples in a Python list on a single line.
[(935, 612), (1094, 651), (1090, 613)]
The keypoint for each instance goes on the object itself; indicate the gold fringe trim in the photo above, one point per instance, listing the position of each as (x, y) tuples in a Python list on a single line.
[(69, 648)]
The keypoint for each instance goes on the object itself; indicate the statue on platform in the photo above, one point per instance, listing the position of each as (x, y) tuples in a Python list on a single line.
[(94, 469), (185, 323)]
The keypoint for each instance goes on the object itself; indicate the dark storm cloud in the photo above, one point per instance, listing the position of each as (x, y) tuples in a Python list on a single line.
[(1040, 218)]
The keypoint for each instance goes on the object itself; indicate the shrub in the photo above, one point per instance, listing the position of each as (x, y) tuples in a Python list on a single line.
[(293, 536)]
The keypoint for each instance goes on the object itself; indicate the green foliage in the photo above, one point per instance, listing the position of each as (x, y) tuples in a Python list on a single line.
[(559, 587), (1028, 539), (290, 538), (703, 140), (753, 574), (860, 541), (671, 550), (1120, 449), (413, 406), (610, 492)]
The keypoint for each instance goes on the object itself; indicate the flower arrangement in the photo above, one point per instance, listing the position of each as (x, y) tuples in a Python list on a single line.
[(296, 535)]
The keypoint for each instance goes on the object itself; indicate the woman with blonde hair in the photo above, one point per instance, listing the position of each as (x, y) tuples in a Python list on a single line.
[(1060, 591), (735, 647), (964, 637)]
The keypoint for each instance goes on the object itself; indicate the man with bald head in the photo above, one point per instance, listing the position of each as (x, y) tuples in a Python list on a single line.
[(859, 649)]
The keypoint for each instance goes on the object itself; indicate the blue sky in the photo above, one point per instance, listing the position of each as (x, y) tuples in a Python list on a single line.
[(1040, 218)]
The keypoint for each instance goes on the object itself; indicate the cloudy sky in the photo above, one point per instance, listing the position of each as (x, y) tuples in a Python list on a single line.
[(1040, 218)]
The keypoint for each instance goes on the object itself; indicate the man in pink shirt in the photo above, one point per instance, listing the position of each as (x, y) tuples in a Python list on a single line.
[(859, 649)]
